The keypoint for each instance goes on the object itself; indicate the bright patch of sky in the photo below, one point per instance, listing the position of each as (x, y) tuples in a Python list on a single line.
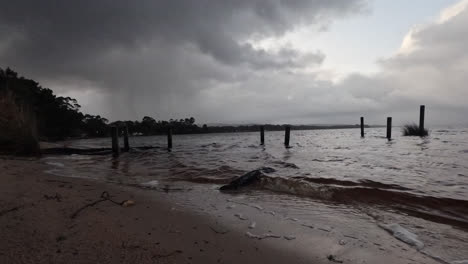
[(355, 43)]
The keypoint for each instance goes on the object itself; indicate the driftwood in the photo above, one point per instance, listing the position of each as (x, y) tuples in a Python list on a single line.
[(104, 197), (4, 212), (158, 256)]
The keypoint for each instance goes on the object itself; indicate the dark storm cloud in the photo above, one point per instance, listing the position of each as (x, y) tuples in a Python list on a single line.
[(50, 32), (163, 58)]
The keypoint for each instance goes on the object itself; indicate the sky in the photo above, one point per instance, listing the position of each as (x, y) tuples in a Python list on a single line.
[(246, 61)]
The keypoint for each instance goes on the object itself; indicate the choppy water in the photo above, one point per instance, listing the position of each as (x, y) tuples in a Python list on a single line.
[(423, 177)]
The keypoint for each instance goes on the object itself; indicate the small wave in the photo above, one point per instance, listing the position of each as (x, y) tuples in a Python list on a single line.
[(221, 175), (211, 145), (441, 210), (286, 164), (362, 183)]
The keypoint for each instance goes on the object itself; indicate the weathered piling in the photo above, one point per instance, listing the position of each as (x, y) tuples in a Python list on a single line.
[(115, 141), (262, 135), (126, 143), (389, 128), (421, 120), (362, 126), (287, 135), (169, 138)]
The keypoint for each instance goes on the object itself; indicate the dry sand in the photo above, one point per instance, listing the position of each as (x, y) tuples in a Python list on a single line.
[(37, 226)]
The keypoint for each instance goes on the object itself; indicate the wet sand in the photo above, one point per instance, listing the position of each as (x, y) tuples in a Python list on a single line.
[(40, 224)]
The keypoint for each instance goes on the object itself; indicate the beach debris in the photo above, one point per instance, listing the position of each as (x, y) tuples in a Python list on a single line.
[(289, 237), (349, 236), (247, 179), (128, 203), (4, 212), (158, 256), (292, 219), (309, 226), (325, 228), (404, 235), (342, 242), (270, 212), (57, 197), (60, 238), (332, 258), (240, 216), (256, 206), (460, 262), (260, 237), (219, 231), (168, 188), (231, 206), (252, 225)]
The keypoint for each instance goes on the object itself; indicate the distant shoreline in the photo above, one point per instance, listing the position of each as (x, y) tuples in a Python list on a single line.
[(241, 129)]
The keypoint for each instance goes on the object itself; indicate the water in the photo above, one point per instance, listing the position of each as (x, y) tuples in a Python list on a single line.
[(409, 180), (433, 166)]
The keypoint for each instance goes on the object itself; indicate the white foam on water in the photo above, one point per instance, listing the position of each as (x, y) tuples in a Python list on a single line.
[(78, 157), (56, 164), (404, 235), (256, 206), (150, 183), (240, 216), (55, 172), (267, 235), (270, 212)]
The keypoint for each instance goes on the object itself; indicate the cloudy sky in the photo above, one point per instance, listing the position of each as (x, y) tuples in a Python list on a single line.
[(246, 61)]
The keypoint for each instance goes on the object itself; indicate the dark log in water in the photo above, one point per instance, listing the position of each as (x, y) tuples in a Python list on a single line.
[(247, 179)]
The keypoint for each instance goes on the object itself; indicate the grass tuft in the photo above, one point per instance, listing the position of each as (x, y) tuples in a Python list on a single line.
[(413, 130)]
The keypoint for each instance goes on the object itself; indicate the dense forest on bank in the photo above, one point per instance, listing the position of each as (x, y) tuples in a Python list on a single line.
[(30, 112)]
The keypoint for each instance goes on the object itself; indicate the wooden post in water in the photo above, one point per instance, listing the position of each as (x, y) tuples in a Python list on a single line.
[(262, 135), (126, 144), (169, 138), (389, 128), (287, 136), (115, 141), (421, 120), (362, 126)]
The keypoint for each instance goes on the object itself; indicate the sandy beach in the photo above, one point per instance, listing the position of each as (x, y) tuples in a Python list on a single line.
[(51, 219)]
